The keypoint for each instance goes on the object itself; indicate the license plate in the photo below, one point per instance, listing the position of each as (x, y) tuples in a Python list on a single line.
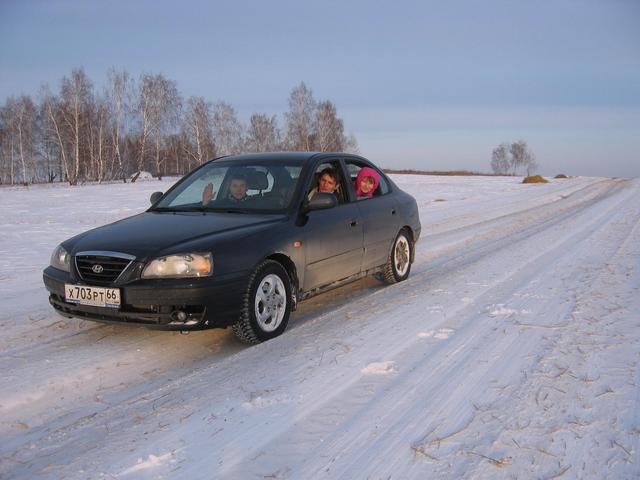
[(94, 296)]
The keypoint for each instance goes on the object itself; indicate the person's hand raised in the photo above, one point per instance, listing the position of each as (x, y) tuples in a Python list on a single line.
[(207, 193)]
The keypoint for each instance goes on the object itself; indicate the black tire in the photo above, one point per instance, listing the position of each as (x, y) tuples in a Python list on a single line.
[(266, 305), (398, 264)]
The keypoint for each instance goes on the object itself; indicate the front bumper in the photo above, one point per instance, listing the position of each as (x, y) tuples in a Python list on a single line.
[(167, 304)]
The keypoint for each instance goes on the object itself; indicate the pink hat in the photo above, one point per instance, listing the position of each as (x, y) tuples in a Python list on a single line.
[(367, 172)]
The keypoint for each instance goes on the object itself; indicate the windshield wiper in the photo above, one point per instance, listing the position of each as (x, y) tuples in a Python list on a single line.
[(179, 209), (201, 209), (225, 210)]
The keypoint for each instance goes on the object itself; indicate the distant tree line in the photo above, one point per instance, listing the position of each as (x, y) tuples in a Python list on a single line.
[(511, 158), (79, 134)]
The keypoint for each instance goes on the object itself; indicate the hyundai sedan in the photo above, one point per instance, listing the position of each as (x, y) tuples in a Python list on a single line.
[(239, 242)]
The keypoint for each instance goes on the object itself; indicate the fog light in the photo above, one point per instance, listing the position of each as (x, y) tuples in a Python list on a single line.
[(181, 316)]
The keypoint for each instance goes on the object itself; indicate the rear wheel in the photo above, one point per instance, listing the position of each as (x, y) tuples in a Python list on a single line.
[(398, 264), (266, 305)]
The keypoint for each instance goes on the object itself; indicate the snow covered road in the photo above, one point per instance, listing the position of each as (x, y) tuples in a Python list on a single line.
[(512, 351)]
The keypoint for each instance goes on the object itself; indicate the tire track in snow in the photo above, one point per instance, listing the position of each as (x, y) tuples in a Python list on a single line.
[(488, 421), (351, 415), (246, 440), (577, 412), (300, 331), (443, 247), (105, 366)]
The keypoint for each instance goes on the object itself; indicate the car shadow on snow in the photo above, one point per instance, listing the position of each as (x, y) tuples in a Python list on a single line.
[(84, 336), (195, 346), (333, 300)]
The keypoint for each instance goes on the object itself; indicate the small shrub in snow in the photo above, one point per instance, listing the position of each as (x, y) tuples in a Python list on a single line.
[(561, 175)]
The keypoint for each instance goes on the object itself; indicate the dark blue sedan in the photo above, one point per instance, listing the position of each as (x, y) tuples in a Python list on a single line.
[(238, 242)]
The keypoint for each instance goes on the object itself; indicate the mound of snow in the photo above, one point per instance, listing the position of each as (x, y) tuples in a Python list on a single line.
[(380, 368), (141, 176)]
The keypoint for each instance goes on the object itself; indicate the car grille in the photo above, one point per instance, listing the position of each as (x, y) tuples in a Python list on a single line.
[(111, 267)]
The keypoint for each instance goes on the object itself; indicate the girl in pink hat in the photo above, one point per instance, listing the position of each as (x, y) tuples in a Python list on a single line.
[(367, 182)]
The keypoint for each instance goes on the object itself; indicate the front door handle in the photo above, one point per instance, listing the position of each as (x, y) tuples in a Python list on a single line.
[(393, 211), (354, 223)]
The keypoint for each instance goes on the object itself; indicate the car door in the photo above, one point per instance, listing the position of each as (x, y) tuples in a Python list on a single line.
[(332, 239), (379, 218)]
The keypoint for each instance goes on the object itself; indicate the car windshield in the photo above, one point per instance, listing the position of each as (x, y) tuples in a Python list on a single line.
[(235, 187)]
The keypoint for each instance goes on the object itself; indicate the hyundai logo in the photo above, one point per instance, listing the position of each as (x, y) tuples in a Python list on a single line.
[(97, 268)]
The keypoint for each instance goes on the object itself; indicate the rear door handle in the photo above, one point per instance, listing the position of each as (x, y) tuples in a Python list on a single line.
[(393, 211), (354, 223)]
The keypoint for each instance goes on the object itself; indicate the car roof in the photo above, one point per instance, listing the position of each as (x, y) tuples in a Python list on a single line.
[(285, 157)]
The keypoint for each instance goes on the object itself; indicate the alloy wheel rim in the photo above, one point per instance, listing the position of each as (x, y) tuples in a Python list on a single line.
[(401, 255), (270, 302)]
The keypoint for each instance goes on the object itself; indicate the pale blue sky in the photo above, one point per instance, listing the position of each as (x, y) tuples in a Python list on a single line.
[(422, 84)]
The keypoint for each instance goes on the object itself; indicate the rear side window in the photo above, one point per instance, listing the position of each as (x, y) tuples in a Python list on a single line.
[(354, 167), (384, 186)]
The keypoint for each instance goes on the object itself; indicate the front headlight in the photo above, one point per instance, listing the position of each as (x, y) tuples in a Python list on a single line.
[(60, 259), (180, 266)]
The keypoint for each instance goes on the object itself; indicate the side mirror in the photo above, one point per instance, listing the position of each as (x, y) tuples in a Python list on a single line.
[(155, 196), (322, 201)]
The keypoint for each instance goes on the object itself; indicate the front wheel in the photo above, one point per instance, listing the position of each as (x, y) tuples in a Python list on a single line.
[(398, 264), (266, 305)]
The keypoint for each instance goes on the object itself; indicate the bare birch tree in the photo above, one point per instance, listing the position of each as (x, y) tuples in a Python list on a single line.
[(197, 127), (530, 162), (351, 144), (48, 144), (143, 113), (329, 132), (76, 97), (7, 172), (75, 135), (53, 127), (263, 134), (518, 152), (165, 111), (300, 119), (175, 150), (99, 139), (19, 117), (227, 130), (119, 93), (513, 157), (500, 161), (26, 116)]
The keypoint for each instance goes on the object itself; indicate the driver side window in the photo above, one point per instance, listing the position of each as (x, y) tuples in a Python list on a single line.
[(192, 194)]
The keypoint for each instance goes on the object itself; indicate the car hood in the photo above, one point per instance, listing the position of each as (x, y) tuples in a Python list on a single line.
[(151, 233)]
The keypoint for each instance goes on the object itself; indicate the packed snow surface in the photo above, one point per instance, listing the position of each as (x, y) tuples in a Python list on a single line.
[(510, 352)]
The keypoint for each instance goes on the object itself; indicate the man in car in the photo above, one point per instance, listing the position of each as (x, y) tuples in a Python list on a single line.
[(237, 191), (327, 183)]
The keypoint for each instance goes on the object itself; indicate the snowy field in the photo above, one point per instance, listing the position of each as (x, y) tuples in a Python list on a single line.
[(512, 351)]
